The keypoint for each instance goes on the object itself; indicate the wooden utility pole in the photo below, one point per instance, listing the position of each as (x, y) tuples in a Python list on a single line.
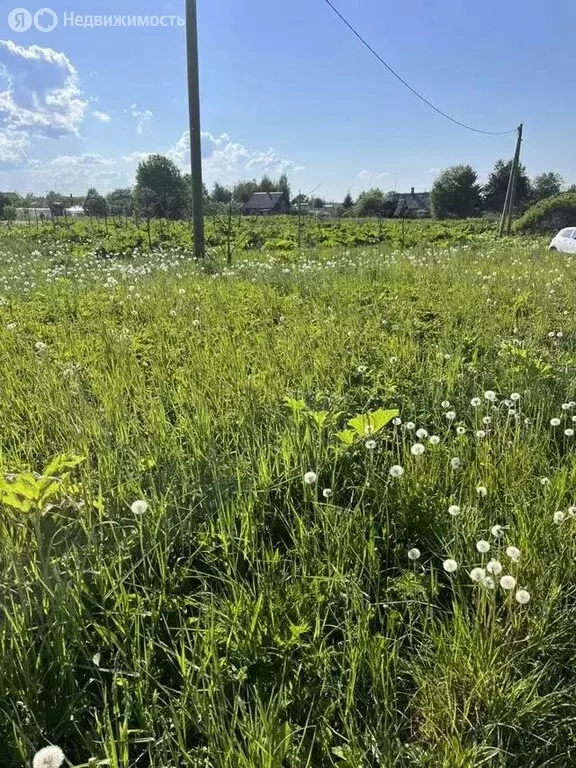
[(195, 135), (506, 221)]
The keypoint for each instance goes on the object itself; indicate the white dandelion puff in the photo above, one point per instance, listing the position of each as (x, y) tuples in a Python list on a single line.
[(482, 491), (445, 404), (487, 420), (554, 422), (417, 449), (478, 574), (397, 421), (483, 546), (494, 567), (515, 396), (455, 463), (489, 583), (565, 406), (396, 471), (421, 434), (450, 415), (434, 440), (310, 478), (327, 493), (414, 554), (410, 425), (490, 395), (544, 481), (139, 507), (513, 553), (454, 510), (450, 566), (40, 346), (498, 531), (523, 597), (569, 432), (460, 431), (559, 517), (370, 445), (49, 757), (508, 583), (480, 434), (475, 402)]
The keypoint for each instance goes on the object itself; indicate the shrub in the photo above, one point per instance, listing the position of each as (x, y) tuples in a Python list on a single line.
[(548, 216)]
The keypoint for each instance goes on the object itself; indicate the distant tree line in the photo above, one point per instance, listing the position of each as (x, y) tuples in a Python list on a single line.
[(163, 191)]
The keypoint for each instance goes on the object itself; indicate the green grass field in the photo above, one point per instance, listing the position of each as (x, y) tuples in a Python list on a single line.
[(264, 605)]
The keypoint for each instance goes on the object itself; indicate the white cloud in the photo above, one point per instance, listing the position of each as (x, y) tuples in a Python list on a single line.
[(102, 116), (141, 116), (40, 97), (226, 160), (135, 157), (367, 174), (432, 171)]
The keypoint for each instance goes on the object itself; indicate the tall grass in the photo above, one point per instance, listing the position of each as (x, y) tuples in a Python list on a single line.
[(247, 619)]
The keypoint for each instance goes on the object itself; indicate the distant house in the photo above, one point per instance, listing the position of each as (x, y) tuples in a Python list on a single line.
[(33, 214), (413, 205), (266, 204), (75, 211)]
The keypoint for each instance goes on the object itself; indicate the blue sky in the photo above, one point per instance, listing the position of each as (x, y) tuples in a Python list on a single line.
[(286, 87)]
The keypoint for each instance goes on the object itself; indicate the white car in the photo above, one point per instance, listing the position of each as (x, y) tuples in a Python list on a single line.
[(565, 241)]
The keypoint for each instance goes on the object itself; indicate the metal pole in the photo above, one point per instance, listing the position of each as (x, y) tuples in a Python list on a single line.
[(506, 214), (195, 136)]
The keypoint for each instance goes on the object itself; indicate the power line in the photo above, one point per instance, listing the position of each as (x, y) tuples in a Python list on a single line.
[(407, 85)]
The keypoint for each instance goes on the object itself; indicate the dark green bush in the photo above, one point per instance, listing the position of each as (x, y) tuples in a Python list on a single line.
[(548, 216)]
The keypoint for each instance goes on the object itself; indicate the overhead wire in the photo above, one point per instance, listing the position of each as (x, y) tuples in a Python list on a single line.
[(406, 84)]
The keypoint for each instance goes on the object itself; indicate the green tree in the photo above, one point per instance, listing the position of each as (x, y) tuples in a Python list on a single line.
[(266, 184), (456, 193), (318, 203), (120, 202), (244, 190), (284, 187), (546, 185), (348, 202), (494, 192), (163, 177), (371, 203), (95, 204), (8, 213), (221, 194)]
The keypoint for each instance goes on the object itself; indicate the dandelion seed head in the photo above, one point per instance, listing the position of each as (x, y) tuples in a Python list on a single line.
[(450, 415), (310, 478), (490, 395), (410, 425), (417, 449), (370, 445), (445, 404), (434, 440), (513, 553), (523, 597), (139, 507), (397, 421), (455, 463), (498, 531), (559, 517), (327, 493), (40, 346), (480, 434), (487, 420), (489, 583), (454, 510), (569, 432), (421, 434), (554, 422), (544, 481), (414, 554), (460, 431), (396, 471), (49, 757), (483, 546), (482, 491), (515, 396), (508, 583), (565, 406), (475, 402), (450, 566), (478, 574), (494, 567)]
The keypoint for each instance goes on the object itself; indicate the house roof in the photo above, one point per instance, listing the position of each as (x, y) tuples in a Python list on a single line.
[(415, 201), (264, 201)]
